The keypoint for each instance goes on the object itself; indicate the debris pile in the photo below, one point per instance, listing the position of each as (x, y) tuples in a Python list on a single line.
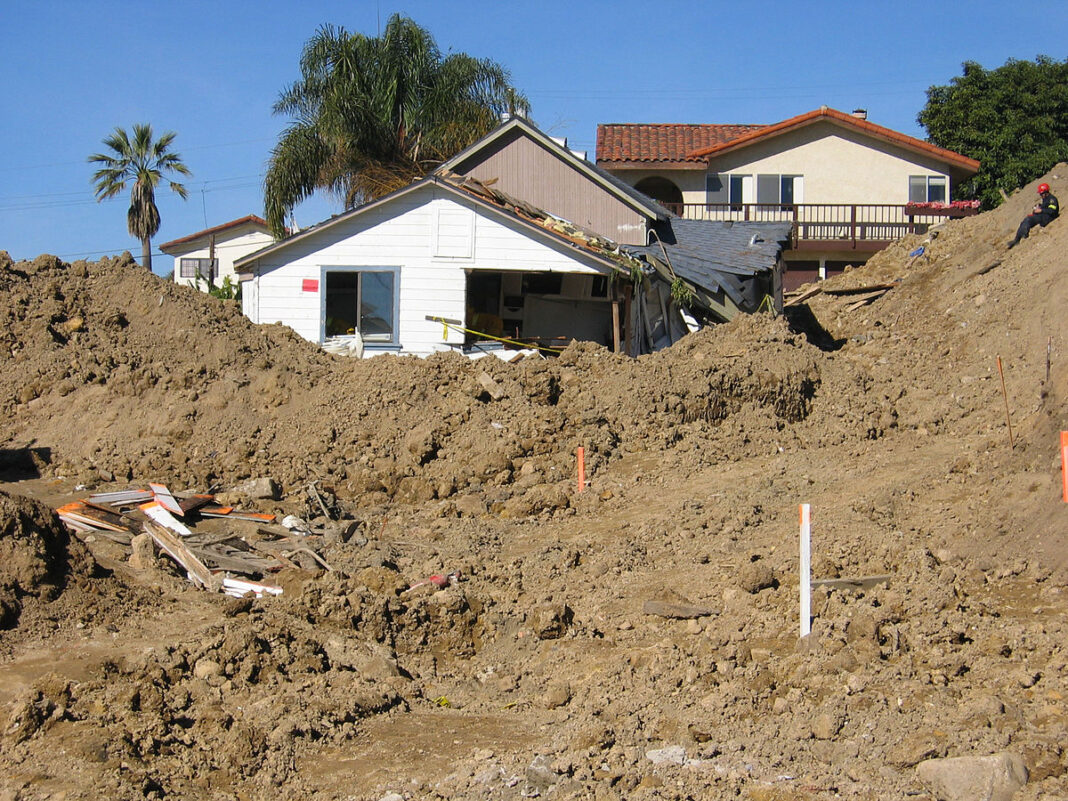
[(207, 557)]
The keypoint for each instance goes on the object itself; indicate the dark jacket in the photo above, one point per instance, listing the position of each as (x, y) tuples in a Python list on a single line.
[(1049, 205)]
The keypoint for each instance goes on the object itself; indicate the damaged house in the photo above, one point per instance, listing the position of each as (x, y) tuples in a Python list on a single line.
[(508, 244)]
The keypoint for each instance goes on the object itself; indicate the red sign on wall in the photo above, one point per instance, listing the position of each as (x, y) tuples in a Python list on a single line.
[(310, 285)]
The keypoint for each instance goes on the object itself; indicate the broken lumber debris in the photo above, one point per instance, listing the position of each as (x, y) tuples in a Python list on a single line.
[(803, 295), (82, 516), (196, 570), (163, 497), (239, 589), (155, 510), (207, 557)]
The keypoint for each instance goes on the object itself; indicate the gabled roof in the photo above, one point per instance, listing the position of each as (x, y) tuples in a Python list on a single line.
[(542, 225), (825, 114), (251, 219), (642, 145), (610, 183)]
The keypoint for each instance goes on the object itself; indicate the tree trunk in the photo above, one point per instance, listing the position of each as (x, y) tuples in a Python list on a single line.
[(146, 253)]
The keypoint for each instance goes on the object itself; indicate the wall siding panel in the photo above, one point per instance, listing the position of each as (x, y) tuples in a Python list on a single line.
[(402, 234), (525, 169)]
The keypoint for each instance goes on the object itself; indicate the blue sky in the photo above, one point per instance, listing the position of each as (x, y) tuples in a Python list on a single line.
[(73, 70)]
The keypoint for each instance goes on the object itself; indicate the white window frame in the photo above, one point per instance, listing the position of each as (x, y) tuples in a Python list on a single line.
[(746, 185), (197, 267), (929, 181), (369, 341)]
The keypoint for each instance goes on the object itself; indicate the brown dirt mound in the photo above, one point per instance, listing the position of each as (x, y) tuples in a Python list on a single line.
[(637, 640), (38, 557), (120, 375)]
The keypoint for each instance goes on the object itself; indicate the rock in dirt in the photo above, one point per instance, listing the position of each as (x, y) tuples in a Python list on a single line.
[(988, 778), (550, 621)]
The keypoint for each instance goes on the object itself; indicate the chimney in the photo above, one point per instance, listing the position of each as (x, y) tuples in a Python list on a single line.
[(860, 113)]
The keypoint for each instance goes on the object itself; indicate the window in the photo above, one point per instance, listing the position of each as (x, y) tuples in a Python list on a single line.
[(715, 190), (771, 189), (784, 190), (790, 189), (737, 185), (191, 268), (927, 189), (768, 189), (364, 301)]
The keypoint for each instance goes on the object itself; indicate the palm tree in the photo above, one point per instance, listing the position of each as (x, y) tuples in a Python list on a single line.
[(143, 162), (370, 114)]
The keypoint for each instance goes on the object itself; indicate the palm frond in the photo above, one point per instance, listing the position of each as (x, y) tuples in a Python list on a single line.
[(370, 114)]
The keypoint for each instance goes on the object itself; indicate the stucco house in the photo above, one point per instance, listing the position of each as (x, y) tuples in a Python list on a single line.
[(845, 183), (211, 253)]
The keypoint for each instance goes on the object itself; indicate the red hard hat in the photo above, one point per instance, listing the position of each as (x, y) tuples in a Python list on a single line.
[(1043, 188)]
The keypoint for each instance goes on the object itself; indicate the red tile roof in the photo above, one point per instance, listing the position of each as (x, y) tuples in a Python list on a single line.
[(691, 146), (251, 218), (623, 144), (841, 118)]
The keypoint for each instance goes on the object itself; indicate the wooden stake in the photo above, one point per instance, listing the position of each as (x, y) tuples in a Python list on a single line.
[(581, 468), (1005, 395), (806, 570)]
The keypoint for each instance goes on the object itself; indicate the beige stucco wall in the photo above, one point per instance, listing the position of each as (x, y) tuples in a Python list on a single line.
[(838, 165)]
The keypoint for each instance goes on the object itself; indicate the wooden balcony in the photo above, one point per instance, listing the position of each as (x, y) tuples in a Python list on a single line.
[(829, 226)]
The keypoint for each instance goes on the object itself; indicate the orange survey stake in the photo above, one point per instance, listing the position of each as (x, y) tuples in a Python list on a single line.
[(1064, 463), (581, 468)]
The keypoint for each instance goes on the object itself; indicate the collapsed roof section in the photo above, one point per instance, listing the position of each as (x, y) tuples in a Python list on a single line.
[(724, 267), (624, 260), (719, 268)]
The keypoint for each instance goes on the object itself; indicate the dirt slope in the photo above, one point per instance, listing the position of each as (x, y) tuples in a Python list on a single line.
[(637, 640)]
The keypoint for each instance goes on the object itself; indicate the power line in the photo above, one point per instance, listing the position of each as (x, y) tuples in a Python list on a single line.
[(64, 199)]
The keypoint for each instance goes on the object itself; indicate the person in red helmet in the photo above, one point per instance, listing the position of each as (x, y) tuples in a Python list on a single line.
[(1043, 214)]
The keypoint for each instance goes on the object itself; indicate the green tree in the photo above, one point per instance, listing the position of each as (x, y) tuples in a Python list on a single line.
[(1013, 119), (370, 114), (141, 162)]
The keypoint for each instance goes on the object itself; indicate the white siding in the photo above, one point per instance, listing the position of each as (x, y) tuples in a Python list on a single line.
[(404, 233)]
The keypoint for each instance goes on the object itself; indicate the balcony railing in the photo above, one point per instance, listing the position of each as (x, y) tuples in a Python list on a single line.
[(828, 226)]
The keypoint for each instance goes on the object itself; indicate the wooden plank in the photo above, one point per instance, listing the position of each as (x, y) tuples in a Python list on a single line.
[(864, 301), (801, 298), (94, 518), (165, 499), (164, 518), (196, 570), (190, 503), (857, 290), (854, 584)]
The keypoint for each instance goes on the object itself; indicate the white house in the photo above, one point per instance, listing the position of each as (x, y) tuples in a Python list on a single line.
[(419, 270), (211, 253)]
